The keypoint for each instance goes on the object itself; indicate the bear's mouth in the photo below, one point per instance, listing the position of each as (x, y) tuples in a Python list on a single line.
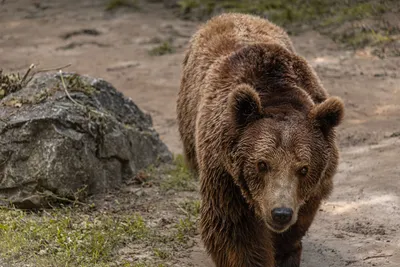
[(278, 228)]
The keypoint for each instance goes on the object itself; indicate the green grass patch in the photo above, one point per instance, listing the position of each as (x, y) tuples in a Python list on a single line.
[(362, 38), (285, 12), (349, 13), (162, 49), (325, 16), (186, 227), (85, 236), (65, 237), (179, 178)]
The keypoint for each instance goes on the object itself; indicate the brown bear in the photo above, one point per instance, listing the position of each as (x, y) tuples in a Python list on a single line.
[(258, 128)]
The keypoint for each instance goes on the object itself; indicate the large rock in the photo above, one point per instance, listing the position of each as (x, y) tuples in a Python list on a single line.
[(53, 146)]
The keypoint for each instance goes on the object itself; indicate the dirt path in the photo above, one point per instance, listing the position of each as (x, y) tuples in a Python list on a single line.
[(358, 226)]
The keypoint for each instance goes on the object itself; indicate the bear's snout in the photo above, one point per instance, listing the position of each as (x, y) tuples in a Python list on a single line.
[(282, 216)]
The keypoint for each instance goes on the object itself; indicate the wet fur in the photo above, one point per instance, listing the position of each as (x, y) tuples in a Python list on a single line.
[(240, 73)]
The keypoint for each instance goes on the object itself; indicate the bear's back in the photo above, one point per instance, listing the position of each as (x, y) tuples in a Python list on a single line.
[(226, 33)]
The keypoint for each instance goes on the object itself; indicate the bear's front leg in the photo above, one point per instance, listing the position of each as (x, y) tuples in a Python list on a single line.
[(291, 257), (288, 245), (232, 234), (236, 239), (239, 257)]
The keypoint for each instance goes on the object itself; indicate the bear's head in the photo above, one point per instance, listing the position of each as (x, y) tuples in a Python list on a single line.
[(284, 151)]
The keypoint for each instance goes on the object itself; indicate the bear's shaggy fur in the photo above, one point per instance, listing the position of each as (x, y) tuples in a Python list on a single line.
[(258, 128)]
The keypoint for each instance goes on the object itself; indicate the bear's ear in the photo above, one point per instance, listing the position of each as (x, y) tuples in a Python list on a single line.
[(245, 105), (328, 114)]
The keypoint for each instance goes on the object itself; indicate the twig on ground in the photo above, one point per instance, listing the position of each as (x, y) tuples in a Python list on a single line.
[(80, 190), (377, 256), (183, 210), (31, 67), (51, 69), (5, 161), (74, 101), (64, 199)]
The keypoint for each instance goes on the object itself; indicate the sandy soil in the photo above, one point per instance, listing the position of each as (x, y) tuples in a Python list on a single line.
[(358, 226)]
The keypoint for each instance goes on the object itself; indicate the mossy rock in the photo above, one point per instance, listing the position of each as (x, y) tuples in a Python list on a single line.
[(69, 138)]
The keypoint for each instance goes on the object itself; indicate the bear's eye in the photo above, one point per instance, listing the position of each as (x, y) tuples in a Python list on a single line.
[(263, 166), (303, 171)]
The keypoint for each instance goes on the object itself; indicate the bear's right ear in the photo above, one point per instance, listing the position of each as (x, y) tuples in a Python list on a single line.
[(328, 114), (245, 105)]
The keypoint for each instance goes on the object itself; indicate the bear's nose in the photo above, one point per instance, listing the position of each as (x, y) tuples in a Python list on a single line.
[(282, 215)]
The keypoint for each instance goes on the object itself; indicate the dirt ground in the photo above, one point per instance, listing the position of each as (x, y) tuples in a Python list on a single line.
[(358, 226)]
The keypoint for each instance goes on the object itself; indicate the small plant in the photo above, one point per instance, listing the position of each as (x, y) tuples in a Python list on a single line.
[(179, 178), (10, 83), (192, 207), (162, 49), (161, 254), (114, 4), (186, 228), (201, 8), (135, 227), (187, 5), (75, 83)]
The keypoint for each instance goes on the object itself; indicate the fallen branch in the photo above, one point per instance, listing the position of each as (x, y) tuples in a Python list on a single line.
[(53, 196)]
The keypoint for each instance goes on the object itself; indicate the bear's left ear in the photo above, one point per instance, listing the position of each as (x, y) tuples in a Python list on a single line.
[(328, 114), (245, 105)]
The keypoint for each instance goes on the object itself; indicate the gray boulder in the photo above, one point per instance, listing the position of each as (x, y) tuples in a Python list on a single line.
[(53, 146)]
